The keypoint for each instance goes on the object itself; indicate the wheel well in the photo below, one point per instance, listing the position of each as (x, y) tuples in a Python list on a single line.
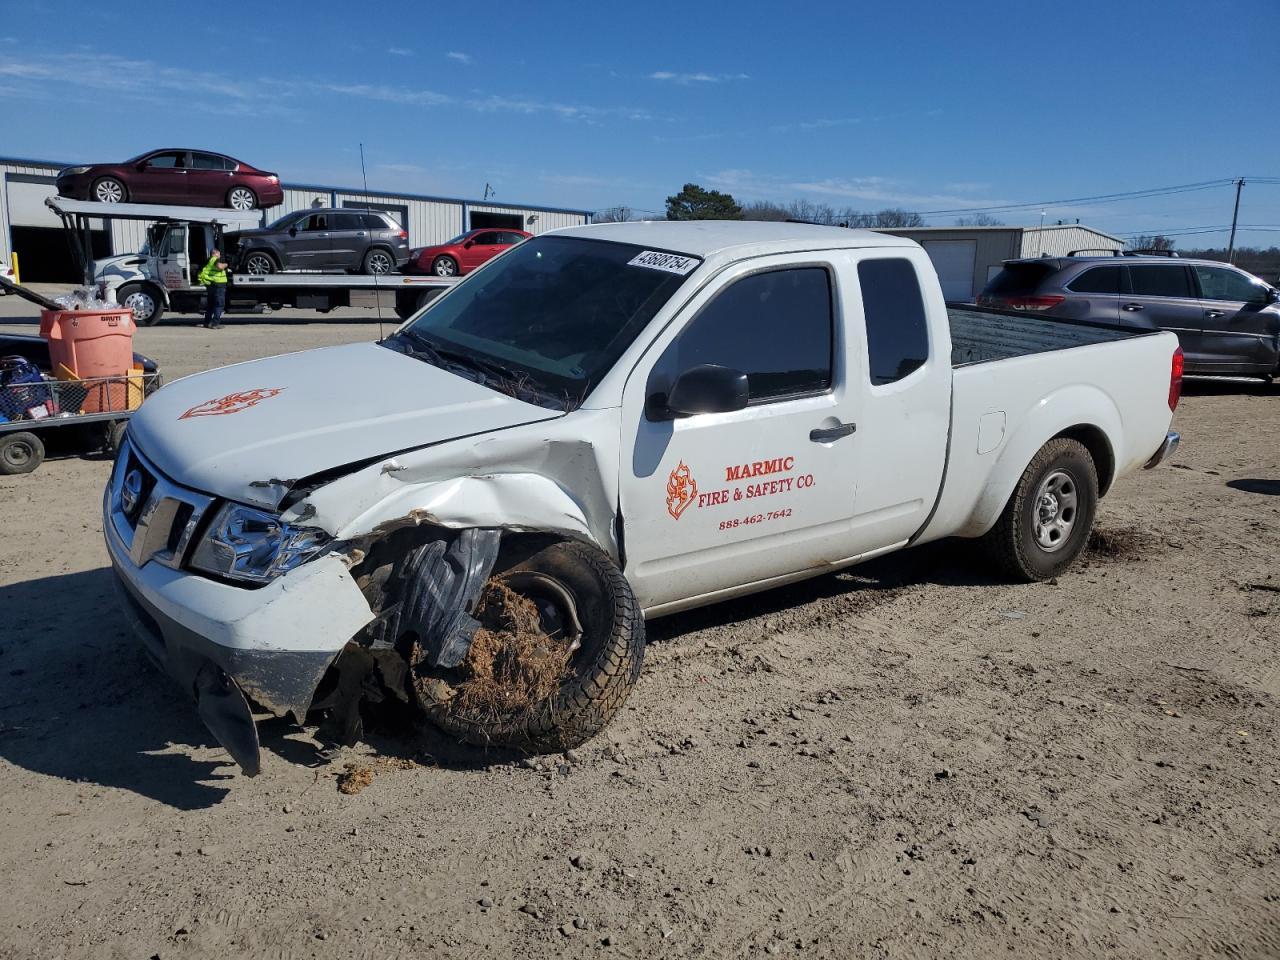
[(380, 246), (263, 250), (1099, 447), (150, 287)]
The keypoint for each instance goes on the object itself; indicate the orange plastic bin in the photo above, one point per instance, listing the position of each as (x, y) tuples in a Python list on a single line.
[(90, 343)]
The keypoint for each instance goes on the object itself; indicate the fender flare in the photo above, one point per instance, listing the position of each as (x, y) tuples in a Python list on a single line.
[(1080, 411)]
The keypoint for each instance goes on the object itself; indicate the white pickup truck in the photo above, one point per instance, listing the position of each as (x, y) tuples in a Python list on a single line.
[(475, 516)]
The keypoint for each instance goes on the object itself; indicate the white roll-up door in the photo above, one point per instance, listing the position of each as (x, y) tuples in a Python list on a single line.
[(26, 204), (954, 260)]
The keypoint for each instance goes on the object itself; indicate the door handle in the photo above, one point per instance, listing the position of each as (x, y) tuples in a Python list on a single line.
[(828, 434), (1214, 313), (1133, 306), (361, 234)]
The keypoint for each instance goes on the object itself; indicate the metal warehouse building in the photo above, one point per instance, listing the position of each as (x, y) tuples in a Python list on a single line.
[(967, 257), (30, 228)]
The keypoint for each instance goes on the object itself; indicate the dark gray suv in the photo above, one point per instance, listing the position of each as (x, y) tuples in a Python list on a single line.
[(1228, 321), (364, 241)]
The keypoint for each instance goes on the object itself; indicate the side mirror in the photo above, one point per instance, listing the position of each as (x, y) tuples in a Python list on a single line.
[(469, 244), (706, 388), (1273, 295), (293, 231)]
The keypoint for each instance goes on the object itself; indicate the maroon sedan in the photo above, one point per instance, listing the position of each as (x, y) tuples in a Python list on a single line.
[(465, 252), (192, 177)]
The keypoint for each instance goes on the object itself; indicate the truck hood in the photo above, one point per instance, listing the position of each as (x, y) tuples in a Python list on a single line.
[(249, 431), (122, 265)]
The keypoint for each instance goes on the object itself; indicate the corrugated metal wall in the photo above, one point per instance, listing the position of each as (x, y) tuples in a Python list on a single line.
[(1059, 241), (546, 219)]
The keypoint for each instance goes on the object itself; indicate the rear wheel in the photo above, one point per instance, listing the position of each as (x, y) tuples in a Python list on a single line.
[(445, 267), (20, 453), (259, 263), (378, 261), (146, 305), (109, 190), (586, 615), (1047, 521), (241, 198)]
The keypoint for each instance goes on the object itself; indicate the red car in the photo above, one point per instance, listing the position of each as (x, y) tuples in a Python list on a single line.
[(192, 177), (464, 253)]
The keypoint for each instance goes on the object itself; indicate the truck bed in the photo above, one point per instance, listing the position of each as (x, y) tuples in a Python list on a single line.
[(980, 336)]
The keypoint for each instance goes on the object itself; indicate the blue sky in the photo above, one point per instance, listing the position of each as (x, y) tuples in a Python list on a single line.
[(929, 106)]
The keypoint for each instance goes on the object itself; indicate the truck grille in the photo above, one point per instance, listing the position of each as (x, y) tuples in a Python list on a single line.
[(154, 518)]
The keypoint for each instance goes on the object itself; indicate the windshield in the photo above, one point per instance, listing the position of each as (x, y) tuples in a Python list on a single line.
[(549, 317)]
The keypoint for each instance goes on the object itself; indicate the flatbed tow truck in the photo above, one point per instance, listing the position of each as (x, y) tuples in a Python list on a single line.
[(162, 275)]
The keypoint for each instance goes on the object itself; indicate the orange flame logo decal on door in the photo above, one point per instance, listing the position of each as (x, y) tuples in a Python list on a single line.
[(232, 403), (681, 489)]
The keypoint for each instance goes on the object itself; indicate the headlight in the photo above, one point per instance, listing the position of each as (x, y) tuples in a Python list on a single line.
[(73, 171), (255, 546)]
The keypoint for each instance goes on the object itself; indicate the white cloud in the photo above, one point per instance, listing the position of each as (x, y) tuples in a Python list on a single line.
[(459, 56), (399, 52), (870, 190), (699, 77)]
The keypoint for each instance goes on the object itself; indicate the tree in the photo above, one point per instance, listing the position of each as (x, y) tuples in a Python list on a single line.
[(695, 203), (1150, 242), (979, 220), (613, 215), (765, 210), (895, 217)]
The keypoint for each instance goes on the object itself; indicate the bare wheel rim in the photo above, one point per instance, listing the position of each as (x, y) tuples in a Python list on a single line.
[(379, 262), (444, 267), (142, 305), (258, 264), (109, 191), (241, 199), (1054, 511)]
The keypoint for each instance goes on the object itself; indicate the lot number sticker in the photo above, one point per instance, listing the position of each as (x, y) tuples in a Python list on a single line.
[(670, 262)]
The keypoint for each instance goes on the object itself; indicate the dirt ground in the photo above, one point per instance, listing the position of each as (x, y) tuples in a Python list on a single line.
[(905, 760)]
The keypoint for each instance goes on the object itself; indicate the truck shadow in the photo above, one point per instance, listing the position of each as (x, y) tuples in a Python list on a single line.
[(80, 701), (1227, 387), (944, 562)]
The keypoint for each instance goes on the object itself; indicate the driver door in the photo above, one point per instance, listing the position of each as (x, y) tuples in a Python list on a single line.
[(161, 179), (172, 259), (716, 500), (308, 243)]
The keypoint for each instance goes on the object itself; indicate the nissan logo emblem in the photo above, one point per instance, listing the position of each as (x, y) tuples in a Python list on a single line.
[(131, 491)]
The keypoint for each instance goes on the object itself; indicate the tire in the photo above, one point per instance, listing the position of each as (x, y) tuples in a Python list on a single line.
[(241, 198), (378, 262), (115, 436), (601, 672), (147, 307), (444, 267), (1047, 521), (108, 190), (259, 263), (20, 453)]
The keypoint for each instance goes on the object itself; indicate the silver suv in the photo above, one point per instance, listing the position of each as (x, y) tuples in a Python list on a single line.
[(366, 241), (1228, 321)]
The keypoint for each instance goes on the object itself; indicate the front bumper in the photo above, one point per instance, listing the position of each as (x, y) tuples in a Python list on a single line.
[(226, 644), (1167, 450)]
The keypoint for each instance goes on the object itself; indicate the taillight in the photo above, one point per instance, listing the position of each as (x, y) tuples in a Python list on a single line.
[(1175, 379), (1036, 304), (404, 234)]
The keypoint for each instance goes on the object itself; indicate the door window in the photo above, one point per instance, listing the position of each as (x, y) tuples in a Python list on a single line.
[(1219, 283), (509, 239), (488, 239), (897, 332), (372, 221), (347, 221), (775, 327), (315, 222), (1097, 280), (1159, 281), (168, 161), (210, 161)]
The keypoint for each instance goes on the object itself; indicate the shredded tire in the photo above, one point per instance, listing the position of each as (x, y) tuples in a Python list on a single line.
[(1011, 544), (518, 690)]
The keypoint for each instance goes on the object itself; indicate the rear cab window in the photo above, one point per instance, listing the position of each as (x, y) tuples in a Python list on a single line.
[(897, 329)]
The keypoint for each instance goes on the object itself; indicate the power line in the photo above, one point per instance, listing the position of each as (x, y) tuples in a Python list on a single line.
[(1099, 198)]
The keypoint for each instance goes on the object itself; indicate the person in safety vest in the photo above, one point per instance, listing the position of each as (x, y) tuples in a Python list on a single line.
[(214, 278)]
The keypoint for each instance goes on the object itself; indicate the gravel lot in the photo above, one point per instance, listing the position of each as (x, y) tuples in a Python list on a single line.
[(905, 760)]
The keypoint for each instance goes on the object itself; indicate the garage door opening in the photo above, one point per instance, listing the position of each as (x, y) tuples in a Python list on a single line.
[(503, 221), (44, 257)]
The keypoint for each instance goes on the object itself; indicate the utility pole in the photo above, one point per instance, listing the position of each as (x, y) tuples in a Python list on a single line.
[(1235, 216)]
